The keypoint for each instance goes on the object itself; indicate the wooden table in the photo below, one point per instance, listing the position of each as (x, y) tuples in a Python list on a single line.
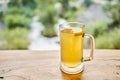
[(44, 65)]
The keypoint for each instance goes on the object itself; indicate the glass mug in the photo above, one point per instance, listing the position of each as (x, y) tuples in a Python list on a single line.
[(71, 42)]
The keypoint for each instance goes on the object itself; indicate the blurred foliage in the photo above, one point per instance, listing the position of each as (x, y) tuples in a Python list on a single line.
[(14, 38), (20, 10), (87, 3), (65, 4), (16, 20), (19, 13), (18, 16), (47, 17), (49, 32), (109, 40), (105, 37), (97, 28), (70, 15), (25, 3), (107, 34), (1, 16), (113, 11)]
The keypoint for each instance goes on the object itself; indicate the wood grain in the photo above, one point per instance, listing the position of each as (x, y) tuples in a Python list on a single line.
[(44, 65)]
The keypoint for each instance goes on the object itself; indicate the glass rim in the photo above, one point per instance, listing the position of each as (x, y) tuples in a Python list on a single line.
[(80, 23)]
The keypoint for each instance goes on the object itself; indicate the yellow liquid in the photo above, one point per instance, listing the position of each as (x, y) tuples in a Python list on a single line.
[(71, 47)]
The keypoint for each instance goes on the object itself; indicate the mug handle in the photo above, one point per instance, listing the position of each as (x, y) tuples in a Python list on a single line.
[(92, 47)]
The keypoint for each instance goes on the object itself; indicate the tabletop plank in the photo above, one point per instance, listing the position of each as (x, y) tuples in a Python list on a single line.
[(44, 65)]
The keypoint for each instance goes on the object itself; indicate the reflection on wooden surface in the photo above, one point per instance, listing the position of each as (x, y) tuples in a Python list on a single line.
[(71, 76)]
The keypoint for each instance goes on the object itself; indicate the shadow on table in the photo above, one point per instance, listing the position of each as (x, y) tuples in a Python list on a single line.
[(71, 76)]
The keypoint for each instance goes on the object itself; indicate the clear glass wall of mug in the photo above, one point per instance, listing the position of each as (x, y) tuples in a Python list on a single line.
[(71, 43)]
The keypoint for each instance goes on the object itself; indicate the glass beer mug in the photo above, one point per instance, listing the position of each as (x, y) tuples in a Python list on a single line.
[(71, 43)]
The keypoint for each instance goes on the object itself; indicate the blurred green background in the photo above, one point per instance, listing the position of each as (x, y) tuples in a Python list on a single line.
[(16, 17)]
